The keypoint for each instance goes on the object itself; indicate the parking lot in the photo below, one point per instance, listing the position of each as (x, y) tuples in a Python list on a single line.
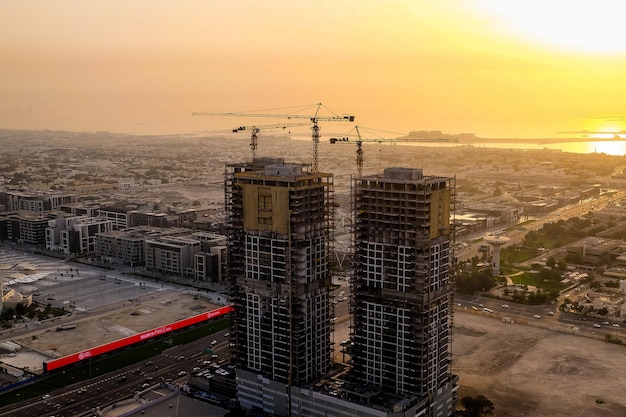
[(102, 306)]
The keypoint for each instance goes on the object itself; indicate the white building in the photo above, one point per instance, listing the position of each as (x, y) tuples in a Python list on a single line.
[(75, 234)]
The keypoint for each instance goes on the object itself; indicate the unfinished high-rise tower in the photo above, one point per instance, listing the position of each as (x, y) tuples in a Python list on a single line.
[(279, 218), (401, 289)]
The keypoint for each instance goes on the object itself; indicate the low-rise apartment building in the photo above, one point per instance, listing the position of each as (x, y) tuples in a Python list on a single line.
[(76, 234)]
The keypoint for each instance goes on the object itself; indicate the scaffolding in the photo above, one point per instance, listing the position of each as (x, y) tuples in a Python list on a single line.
[(280, 232), (400, 287)]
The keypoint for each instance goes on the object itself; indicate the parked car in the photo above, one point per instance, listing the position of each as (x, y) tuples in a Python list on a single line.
[(537, 316)]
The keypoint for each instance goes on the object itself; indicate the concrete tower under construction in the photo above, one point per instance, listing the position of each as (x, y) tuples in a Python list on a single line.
[(401, 290), (279, 218)]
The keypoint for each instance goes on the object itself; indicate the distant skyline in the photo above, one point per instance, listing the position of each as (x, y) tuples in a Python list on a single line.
[(495, 68)]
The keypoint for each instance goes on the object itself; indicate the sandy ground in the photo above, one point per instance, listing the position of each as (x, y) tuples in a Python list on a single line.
[(115, 322), (530, 371)]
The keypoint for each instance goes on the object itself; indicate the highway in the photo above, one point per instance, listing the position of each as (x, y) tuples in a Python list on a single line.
[(82, 398), (549, 315)]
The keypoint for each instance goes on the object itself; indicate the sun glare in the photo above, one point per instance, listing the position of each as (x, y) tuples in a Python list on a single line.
[(608, 130), (578, 25)]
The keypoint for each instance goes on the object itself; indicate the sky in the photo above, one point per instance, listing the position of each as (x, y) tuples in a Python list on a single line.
[(496, 68)]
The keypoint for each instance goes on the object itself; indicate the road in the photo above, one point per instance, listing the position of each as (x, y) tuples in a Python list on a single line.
[(550, 316), (517, 234), (85, 396)]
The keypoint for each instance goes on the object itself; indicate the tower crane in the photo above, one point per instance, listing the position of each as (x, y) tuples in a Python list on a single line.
[(359, 142), (313, 119), (255, 129)]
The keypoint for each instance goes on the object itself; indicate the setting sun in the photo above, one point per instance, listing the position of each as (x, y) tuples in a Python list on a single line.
[(577, 26)]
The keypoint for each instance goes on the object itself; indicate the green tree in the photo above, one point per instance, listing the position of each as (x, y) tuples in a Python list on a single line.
[(551, 262), (20, 310), (7, 314), (477, 407)]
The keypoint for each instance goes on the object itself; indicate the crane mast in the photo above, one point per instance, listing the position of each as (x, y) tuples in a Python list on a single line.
[(256, 129), (313, 119)]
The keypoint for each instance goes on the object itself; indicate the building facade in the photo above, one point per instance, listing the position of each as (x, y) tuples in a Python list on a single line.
[(171, 255), (36, 201), (279, 218), (401, 288), (117, 215), (27, 227), (77, 234), (279, 223)]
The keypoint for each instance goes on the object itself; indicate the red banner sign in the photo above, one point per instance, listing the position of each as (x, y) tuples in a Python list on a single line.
[(53, 364)]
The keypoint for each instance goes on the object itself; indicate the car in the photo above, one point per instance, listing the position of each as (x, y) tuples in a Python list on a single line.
[(596, 325), (606, 323), (226, 334), (505, 306), (196, 369), (145, 385), (45, 397), (182, 373), (537, 316), (550, 313), (214, 356), (213, 342), (615, 325)]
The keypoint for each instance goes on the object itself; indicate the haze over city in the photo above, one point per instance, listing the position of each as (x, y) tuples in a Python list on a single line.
[(462, 254), (498, 69)]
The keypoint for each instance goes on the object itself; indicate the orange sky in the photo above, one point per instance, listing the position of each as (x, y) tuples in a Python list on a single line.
[(530, 69)]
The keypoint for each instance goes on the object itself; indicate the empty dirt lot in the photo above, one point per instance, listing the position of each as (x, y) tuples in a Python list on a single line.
[(114, 322), (530, 371)]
